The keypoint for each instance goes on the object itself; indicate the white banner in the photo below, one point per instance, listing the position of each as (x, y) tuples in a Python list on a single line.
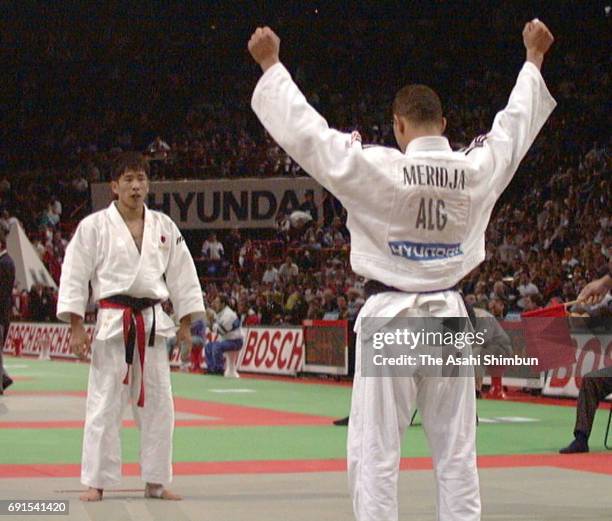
[(222, 203), (266, 349), (29, 338), (273, 350), (593, 353)]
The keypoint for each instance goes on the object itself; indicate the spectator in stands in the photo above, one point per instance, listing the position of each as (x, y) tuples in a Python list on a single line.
[(56, 207), (569, 262), (52, 263), (226, 323), (283, 225), (315, 309), (342, 306), (525, 288), (158, 149), (213, 251), (5, 226), (331, 208), (305, 261), (270, 276), (309, 206), (532, 302), (233, 242), (288, 271), (59, 245), (295, 305), (80, 185), (497, 308), (249, 254), (41, 303), (248, 316), (7, 281), (49, 218)]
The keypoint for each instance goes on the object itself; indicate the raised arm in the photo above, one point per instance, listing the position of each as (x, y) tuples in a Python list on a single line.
[(324, 153), (516, 127)]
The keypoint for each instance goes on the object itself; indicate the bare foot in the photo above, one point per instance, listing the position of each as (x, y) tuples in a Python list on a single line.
[(92, 494), (155, 491)]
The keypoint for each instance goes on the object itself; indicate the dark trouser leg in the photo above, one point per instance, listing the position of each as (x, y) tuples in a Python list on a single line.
[(1, 359), (596, 385)]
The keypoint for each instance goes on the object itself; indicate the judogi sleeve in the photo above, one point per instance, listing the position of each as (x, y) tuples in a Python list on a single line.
[(182, 279), (77, 271), (328, 155), (514, 130)]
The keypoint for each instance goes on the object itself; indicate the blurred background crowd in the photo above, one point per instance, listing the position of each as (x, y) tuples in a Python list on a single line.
[(175, 82)]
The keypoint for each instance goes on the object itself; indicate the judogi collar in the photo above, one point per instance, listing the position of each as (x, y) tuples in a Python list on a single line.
[(428, 144), (148, 242)]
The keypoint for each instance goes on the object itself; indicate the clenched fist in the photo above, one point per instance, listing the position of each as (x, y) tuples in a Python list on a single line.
[(537, 39), (264, 47)]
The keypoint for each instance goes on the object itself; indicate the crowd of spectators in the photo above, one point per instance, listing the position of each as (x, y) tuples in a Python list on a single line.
[(178, 88)]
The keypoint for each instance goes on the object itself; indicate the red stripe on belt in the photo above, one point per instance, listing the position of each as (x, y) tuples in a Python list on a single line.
[(131, 317)]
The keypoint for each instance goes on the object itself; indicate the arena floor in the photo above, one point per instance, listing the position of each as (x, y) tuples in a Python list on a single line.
[(265, 449)]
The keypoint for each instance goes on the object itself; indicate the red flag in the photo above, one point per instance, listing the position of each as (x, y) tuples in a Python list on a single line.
[(558, 310)]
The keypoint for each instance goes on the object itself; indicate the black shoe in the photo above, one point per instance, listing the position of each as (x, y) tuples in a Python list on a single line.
[(342, 421), (575, 447), (7, 381)]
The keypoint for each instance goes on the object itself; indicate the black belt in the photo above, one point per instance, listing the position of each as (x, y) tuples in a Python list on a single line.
[(133, 331), (374, 287), (137, 305)]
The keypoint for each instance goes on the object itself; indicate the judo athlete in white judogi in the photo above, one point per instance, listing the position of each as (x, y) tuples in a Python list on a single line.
[(134, 259), (417, 218)]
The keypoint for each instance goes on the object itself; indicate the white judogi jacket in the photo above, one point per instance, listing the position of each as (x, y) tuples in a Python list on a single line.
[(227, 324), (417, 220), (102, 252)]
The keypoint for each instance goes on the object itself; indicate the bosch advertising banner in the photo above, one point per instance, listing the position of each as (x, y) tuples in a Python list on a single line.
[(593, 353), (266, 349), (30, 338), (225, 203), (272, 350)]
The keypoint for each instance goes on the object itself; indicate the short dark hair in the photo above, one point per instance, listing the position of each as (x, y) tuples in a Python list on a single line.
[(127, 161), (418, 103)]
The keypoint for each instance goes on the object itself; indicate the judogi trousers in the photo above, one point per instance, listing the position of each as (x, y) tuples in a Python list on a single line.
[(106, 400), (381, 410)]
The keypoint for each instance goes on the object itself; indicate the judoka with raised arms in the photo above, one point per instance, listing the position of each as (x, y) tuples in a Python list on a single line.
[(133, 258), (417, 218)]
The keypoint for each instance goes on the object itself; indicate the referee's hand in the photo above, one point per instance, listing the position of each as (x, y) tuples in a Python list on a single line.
[(264, 47), (594, 292)]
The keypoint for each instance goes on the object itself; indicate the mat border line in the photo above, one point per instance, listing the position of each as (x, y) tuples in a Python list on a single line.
[(598, 463)]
